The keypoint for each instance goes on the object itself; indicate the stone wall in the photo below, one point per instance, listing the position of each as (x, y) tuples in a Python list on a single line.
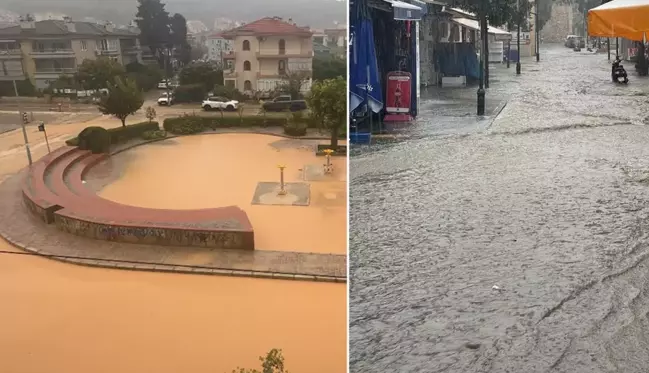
[(560, 24), (225, 239)]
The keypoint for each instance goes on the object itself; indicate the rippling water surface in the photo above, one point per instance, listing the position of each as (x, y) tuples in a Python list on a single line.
[(548, 203)]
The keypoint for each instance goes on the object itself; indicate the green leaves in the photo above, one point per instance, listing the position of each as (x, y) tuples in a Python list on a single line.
[(123, 99), (328, 105), (99, 73), (273, 362)]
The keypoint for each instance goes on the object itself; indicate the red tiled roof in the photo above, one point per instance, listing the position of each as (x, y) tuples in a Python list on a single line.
[(216, 35), (268, 26)]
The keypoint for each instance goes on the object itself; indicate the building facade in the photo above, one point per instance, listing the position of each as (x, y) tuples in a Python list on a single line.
[(265, 52), (44, 50), (218, 47)]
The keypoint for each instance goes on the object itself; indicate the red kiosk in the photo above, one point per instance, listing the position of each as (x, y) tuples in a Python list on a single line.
[(397, 97)]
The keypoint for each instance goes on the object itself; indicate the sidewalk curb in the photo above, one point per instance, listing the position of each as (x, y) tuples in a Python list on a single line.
[(496, 113), (171, 268)]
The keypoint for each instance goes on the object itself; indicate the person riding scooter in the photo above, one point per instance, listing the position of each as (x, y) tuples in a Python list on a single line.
[(618, 72)]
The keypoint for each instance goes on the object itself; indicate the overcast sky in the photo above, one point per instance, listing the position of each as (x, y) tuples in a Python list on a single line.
[(315, 13)]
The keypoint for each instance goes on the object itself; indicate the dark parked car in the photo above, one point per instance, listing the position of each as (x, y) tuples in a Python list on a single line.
[(284, 103)]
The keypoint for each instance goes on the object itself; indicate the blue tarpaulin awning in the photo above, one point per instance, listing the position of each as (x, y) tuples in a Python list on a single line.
[(404, 11)]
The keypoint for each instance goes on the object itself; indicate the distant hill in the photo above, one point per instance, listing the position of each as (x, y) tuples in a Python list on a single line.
[(315, 13)]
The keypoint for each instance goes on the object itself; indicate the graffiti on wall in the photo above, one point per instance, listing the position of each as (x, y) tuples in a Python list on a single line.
[(156, 235)]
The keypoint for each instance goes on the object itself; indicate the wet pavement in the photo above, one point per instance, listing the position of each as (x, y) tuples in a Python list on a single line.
[(514, 246)]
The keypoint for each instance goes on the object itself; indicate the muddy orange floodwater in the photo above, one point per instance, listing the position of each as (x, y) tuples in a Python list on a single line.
[(222, 170), (62, 318)]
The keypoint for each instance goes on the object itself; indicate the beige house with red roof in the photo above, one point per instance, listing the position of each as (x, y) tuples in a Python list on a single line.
[(265, 51)]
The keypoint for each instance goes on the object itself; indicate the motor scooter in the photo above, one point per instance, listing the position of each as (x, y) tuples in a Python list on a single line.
[(618, 73)]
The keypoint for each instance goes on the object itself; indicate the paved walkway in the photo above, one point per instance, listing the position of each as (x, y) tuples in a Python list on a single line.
[(24, 231)]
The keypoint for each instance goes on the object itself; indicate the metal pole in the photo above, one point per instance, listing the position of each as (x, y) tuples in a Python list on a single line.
[(46, 140), (537, 31), (509, 51), (617, 47), (518, 39), (485, 39), (481, 91), (608, 47), (166, 64), (20, 118)]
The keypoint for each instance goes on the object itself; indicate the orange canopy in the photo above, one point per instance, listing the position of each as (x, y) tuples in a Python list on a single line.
[(620, 18)]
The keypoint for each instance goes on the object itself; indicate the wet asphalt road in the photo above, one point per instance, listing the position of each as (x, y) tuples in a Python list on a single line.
[(549, 202)]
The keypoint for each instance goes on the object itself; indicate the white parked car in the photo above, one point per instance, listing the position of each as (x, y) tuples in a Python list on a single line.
[(164, 84), (220, 103), (165, 100)]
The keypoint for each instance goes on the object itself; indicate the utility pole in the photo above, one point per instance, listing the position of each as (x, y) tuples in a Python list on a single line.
[(166, 62), (518, 39), (23, 119)]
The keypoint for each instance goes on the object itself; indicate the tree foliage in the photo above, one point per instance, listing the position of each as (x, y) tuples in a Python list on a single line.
[(153, 21), (123, 99), (293, 82), (328, 105), (498, 12), (178, 38), (204, 73), (273, 362), (328, 67), (99, 73), (145, 76)]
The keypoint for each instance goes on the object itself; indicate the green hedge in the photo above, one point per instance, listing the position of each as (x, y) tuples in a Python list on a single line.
[(154, 135), (194, 124), (95, 139), (190, 93), (121, 134), (295, 129)]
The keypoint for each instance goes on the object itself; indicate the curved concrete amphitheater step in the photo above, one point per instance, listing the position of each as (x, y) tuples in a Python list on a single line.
[(66, 179), (23, 231), (54, 191)]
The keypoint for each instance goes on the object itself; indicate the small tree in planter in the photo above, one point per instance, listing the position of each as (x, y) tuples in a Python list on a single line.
[(123, 99), (151, 113), (328, 104), (240, 112)]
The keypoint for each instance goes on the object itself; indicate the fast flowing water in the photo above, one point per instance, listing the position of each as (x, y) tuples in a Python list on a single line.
[(62, 318), (514, 246)]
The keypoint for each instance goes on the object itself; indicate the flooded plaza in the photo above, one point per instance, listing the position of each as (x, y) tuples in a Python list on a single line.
[(218, 170), (64, 318)]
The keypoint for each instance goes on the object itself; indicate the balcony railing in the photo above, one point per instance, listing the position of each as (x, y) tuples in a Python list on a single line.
[(10, 53), (229, 56), (131, 49), (56, 70), (289, 54), (106, 52), (53, 51)]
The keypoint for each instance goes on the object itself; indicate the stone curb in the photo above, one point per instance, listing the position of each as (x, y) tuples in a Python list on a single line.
[(495, 114), (170, 268)]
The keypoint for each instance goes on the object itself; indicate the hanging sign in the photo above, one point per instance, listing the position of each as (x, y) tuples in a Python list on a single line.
[(398, 92)]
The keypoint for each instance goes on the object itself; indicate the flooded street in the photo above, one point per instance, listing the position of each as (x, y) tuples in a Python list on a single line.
[(63, 318), (518, 245)]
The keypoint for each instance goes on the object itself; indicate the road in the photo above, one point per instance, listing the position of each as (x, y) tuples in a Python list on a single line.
[(510, 245)]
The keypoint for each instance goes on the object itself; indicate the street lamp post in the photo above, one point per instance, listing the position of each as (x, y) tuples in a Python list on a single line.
[(481, 90), (518, 39), (536, 31)]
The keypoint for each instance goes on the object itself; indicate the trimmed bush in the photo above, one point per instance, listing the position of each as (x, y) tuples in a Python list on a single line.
[(295, 129), (190, 93), (185, 125), (154, 135), (120, 134), (123, 134), (95, 139)]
